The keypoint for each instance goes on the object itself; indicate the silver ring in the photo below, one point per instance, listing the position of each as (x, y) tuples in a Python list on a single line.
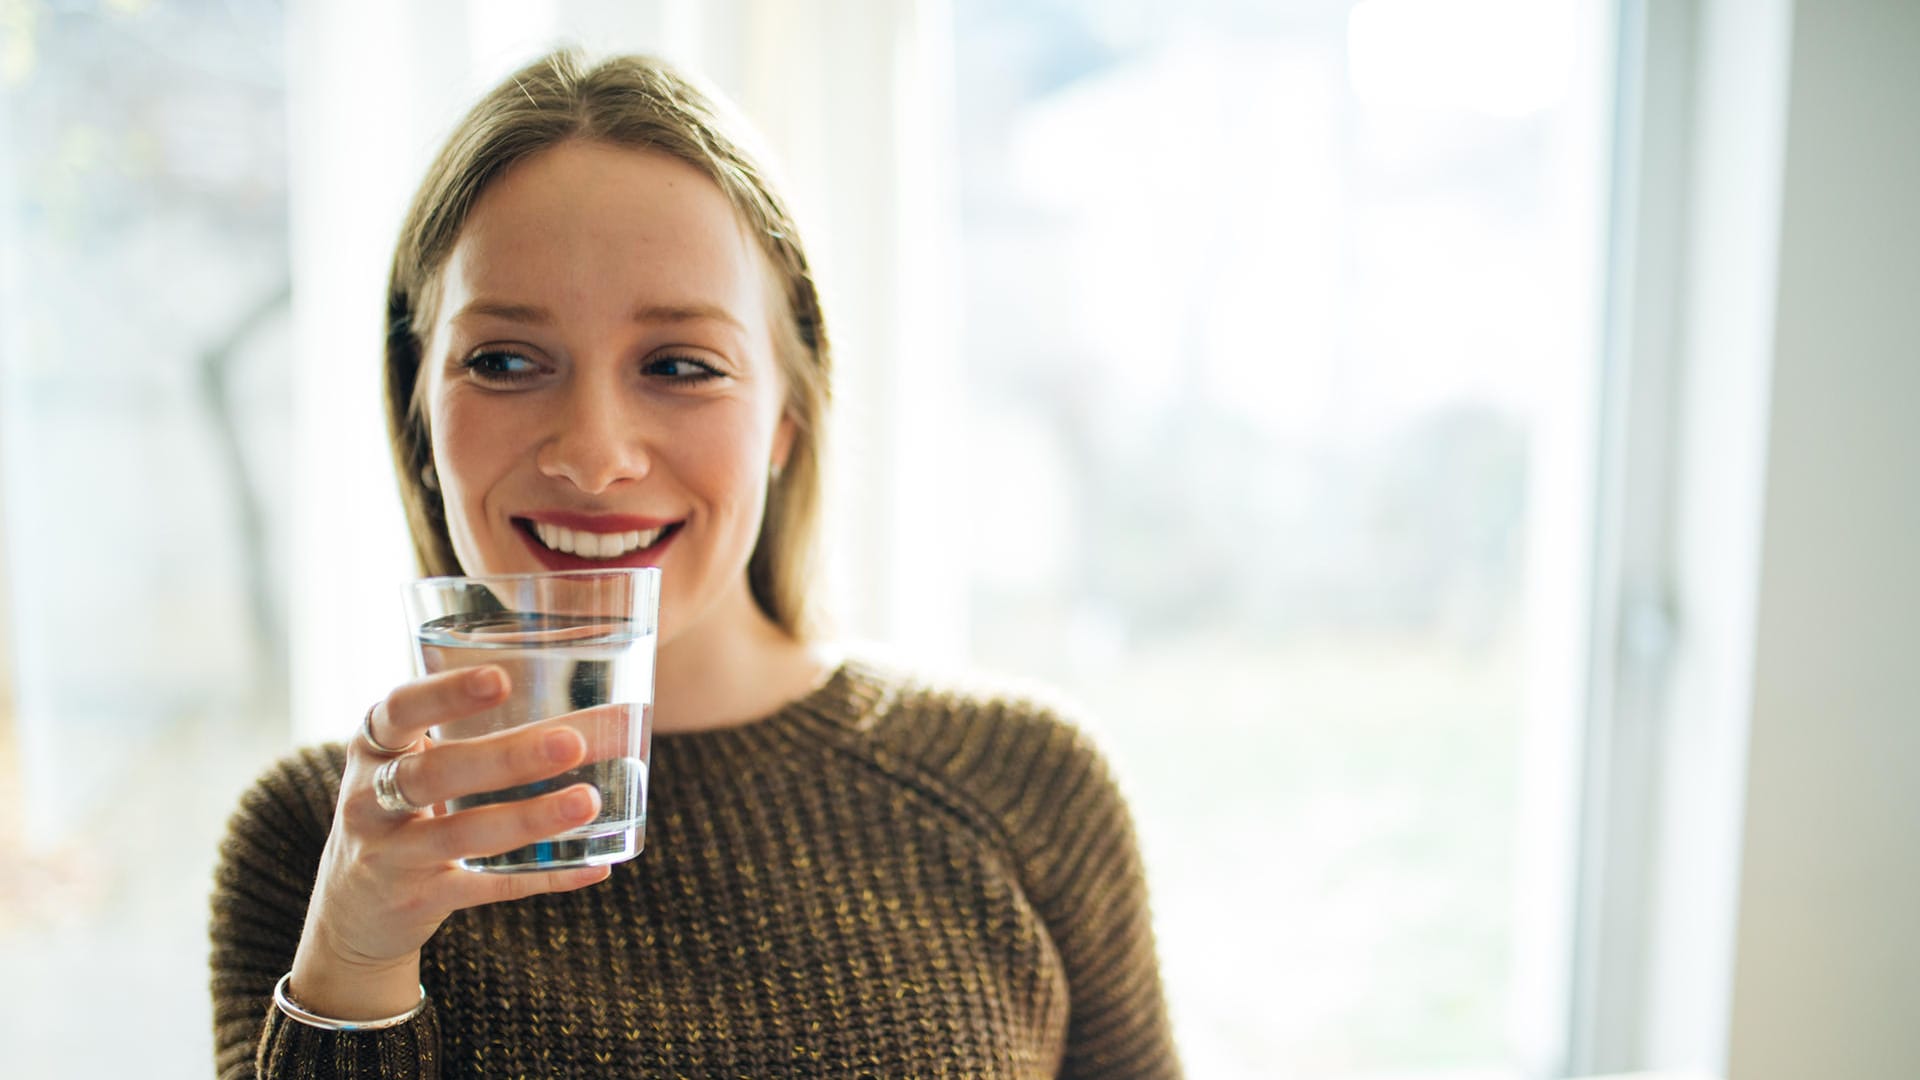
[(366, 733), (386, 789)]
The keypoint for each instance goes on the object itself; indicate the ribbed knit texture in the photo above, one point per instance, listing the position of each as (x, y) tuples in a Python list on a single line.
[(885, 879)]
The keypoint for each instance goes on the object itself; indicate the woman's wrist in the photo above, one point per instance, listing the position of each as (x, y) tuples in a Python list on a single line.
[(353, 993)]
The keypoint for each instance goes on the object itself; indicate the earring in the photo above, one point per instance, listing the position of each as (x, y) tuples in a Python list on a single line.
[(429, 479), (775, 470)]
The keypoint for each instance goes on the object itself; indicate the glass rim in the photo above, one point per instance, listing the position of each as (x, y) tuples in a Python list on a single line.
[(442, 580)]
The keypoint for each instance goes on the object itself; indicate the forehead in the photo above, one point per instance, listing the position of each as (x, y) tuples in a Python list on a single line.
[(586, 226)]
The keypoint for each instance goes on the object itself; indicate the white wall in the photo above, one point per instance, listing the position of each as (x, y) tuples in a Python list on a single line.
[(1725, 342), (1827, 955), (1778, 514)]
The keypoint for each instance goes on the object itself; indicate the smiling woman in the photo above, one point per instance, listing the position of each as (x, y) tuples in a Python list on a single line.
[(719, 261), (551, 401), (605, 349)]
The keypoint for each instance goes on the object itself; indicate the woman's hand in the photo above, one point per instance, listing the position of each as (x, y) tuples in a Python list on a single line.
[(387, 879)]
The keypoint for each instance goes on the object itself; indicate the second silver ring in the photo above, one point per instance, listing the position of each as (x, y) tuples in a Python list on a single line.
[(386, 789), (366, 733)]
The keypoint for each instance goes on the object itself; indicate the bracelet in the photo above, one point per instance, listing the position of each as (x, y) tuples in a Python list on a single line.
[(327, 1023)]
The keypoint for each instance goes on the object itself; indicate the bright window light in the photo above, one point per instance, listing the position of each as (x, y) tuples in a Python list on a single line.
[(1505, 58)]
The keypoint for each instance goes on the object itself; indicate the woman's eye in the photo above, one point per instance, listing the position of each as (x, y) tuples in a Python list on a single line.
[(500, 367), (683, 369)]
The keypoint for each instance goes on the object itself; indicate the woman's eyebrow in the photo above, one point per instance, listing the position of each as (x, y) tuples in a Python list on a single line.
[(671, 313), (531, 314), (535, 315)]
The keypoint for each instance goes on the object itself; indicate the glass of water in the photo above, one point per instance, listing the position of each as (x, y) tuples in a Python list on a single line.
[(578, 646)]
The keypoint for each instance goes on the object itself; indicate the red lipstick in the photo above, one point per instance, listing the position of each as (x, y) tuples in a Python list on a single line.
[(595, 523)]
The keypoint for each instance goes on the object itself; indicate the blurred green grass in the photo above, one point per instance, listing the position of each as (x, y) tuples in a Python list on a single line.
[(1329, 825)]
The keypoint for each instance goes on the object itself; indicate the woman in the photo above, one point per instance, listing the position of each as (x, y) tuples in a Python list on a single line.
[(602, 324)]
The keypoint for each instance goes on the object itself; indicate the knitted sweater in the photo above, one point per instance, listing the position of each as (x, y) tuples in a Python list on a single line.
[(883, 879)]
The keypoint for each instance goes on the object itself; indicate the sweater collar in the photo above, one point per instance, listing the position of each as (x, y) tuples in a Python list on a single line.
[(851, 699)]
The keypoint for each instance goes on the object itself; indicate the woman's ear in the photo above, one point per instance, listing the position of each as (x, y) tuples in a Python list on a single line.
[(782, 445)]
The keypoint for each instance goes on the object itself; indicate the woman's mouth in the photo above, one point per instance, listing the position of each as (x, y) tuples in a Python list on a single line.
[(563, 547)]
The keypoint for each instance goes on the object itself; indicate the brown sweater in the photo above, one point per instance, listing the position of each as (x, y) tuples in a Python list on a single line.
[(884, 879)]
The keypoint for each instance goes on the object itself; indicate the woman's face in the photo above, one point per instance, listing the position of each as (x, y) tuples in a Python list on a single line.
[(601, 386)]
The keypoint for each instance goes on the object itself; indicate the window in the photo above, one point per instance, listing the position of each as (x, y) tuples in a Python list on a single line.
[(143, 413), (1266, 431), (1279, 337)]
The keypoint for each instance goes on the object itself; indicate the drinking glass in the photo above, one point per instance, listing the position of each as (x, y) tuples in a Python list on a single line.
[(578, 647)]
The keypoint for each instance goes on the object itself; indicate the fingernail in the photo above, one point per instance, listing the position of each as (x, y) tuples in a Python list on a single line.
[(484, 683), (577, 803), (560, 745)]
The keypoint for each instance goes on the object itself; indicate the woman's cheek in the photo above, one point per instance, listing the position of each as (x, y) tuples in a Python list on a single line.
[(464, 458), (746, 456)]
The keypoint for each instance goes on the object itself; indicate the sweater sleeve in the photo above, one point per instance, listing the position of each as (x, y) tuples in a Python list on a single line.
[(261, 887), (1082, 862), (1060, 812)]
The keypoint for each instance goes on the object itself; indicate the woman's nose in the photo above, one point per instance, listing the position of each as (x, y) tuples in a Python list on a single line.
[(595, 443)]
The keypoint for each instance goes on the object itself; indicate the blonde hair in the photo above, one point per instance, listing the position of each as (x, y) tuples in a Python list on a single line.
[(638, 102)]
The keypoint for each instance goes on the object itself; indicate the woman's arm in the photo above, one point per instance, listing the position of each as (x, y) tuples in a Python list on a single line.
[(321, 881), (1090, 887), (1053, 802), (261, 888)]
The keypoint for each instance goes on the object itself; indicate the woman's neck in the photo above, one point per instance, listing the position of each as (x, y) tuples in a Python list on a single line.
[(735, 667)]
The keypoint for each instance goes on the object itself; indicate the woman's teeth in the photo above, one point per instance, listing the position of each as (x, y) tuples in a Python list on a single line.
[(595, 545)]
